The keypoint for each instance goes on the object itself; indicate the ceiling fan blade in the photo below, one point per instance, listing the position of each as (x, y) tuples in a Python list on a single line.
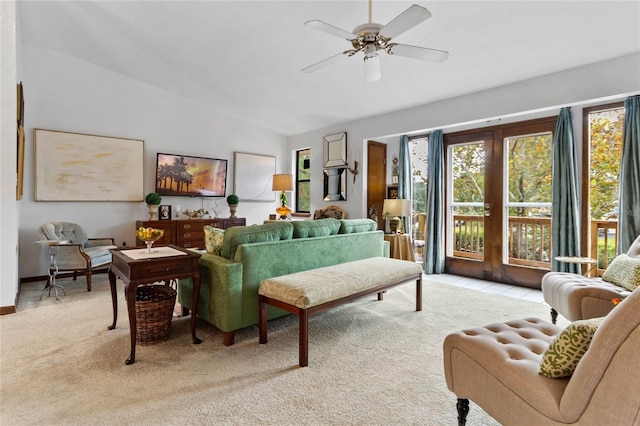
[(416, 52), (328, 61), (330, 29), (405, 21)]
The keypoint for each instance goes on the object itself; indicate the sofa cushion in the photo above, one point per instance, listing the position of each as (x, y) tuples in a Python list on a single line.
[(566, 350), (352, 226), (623, 271), (272, 231), (315, 228), (213, 239)]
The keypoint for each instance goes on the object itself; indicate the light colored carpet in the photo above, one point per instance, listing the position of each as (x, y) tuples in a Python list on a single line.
[(370, 362)]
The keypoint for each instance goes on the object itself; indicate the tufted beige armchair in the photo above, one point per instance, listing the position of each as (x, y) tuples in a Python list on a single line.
[(83, 255), (576, 297), (496, 366)]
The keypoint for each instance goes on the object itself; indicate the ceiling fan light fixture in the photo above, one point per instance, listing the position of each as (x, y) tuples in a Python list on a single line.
[(372, 70)]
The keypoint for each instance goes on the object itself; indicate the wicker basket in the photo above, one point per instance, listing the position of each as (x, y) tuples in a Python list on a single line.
[(154, 311)]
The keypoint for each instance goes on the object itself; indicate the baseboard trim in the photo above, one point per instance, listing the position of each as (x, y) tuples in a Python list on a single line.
[(4, 310)]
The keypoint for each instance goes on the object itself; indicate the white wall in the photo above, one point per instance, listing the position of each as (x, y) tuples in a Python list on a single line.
[(542, 96), (63, 93), (8, 207)]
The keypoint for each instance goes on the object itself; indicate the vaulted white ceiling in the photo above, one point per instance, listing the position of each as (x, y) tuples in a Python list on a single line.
[(245, 57)]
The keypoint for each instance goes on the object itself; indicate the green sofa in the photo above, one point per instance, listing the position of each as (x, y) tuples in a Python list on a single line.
[(250, 254)]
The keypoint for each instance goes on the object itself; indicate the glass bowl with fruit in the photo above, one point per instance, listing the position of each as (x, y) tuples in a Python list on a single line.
[(149, 236)]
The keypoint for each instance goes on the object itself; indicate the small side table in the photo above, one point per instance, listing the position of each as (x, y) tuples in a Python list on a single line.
[(400, 246), (53, 268), (580, 261)]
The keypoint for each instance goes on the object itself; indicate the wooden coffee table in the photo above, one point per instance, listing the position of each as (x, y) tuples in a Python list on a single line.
[(136, 267)]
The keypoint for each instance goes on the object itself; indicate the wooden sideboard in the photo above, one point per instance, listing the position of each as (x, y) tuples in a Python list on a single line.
[(187, 233)]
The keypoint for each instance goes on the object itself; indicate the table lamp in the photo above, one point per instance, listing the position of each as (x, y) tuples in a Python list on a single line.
[(283, 182), (396, 208)]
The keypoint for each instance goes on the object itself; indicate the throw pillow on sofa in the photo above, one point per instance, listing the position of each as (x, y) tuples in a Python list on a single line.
[(568, 347), (213, 238), (624, 271)]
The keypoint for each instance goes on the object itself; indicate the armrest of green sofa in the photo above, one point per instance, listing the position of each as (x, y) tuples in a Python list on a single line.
[(220, 300)]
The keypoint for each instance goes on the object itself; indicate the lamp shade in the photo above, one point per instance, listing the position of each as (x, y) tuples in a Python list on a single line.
[(282, 182), (396, 207)]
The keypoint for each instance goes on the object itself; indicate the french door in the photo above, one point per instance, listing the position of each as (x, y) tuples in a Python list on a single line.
[(498, 202)]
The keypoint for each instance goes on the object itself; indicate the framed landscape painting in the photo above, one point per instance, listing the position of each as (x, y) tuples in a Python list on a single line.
[(80, 167)]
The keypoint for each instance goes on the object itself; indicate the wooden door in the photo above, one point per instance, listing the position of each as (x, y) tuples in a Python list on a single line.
[(376, 179)]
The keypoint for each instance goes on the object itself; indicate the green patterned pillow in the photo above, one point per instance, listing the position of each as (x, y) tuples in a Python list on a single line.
[(565, 351), (213, 238), (624, 271)]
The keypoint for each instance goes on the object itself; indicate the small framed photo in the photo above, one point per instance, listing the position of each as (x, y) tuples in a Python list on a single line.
[(392, 192), (272, 217), (394, 179), (165, 212)]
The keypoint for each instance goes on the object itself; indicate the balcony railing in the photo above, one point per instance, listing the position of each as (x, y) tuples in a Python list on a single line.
[(604, 243), (529, 240)]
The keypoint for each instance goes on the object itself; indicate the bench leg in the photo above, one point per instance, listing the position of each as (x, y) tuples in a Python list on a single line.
[(419, 294), (303, 343), (262, 319), (228, 337)]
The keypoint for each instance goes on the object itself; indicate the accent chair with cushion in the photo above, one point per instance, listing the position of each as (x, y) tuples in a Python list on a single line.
[(84, 255), (577, 297), (531, 372)]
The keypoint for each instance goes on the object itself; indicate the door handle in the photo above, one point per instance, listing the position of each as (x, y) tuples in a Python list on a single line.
[(487, 209)]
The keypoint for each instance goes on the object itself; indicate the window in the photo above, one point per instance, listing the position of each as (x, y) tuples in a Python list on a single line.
[(419, 173), (603, 142), (303, 180)]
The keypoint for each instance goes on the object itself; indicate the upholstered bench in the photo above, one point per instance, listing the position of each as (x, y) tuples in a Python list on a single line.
[(305, 293)]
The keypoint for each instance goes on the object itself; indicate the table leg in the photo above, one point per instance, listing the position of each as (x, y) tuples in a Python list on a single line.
[(114, 299), (130, 289), (194, 307)]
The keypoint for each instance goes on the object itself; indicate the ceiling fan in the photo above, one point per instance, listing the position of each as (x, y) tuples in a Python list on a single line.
[(370, 38)]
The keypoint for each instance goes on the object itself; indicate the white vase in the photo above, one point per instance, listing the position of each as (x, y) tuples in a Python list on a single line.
[(153, 211), (232, 210)]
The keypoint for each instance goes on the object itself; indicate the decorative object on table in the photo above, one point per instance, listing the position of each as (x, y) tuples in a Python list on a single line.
[(283, 182), (84, 255), (165, 212), (232, 201), (153, 200), (79, 167), (149, 236), (394, 210), (194, 214), (154, 311)]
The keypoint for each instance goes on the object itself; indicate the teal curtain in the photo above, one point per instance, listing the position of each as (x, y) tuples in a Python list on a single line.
[(629, 207), (565, 235), (434, 238), (405, 187)]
